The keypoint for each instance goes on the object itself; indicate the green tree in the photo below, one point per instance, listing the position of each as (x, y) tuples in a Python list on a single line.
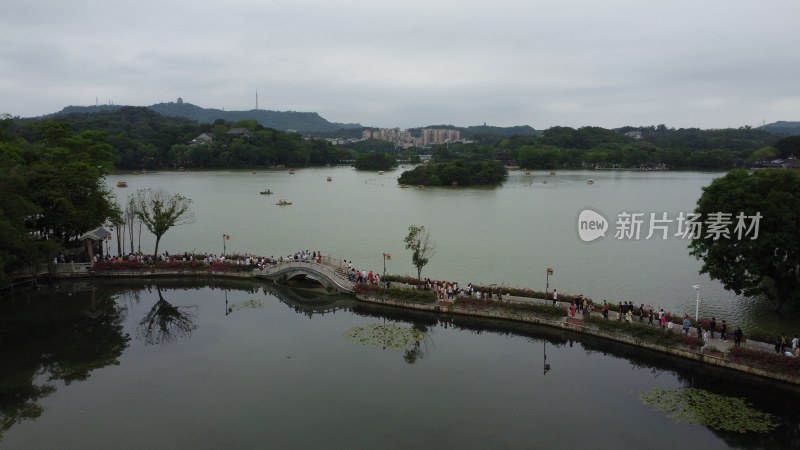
[(768, 265), (419, 242), (18, 247), (763, 154), (375, 161), (543, 157), (789, 146), (159, 211)]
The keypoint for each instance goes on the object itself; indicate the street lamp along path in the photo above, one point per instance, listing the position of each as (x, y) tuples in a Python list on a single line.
[(697, 303)]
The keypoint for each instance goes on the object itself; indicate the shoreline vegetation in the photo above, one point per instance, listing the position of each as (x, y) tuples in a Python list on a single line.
[(509, 304)]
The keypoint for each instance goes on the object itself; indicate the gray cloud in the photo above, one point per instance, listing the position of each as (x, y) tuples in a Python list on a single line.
[(709, 64)]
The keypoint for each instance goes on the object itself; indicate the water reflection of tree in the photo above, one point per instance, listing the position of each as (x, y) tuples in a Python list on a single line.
[(417, 351), (64, 335), (165, 322)]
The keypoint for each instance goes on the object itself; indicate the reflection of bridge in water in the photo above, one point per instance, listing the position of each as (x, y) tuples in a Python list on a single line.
[(309, 301), (330, 273)]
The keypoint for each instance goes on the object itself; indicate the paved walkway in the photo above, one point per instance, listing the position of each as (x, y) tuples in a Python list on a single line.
[(724, 346)]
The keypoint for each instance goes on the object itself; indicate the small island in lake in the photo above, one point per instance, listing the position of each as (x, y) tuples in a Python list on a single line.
[(456, 173)]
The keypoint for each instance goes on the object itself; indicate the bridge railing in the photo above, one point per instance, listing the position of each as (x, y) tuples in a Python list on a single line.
[(323, 268)]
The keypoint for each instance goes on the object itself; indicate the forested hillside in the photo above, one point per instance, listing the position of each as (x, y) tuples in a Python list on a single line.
[(278, 120), (144, 139)]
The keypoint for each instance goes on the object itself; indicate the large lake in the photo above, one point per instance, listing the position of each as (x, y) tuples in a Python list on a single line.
[(508, 235), (185, 364)]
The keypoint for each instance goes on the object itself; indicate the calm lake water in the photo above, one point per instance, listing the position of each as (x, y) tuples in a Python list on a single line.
[(508, 235), (196, 364)]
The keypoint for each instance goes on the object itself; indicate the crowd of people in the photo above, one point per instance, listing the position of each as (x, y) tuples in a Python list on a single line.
[(450, 290), (359, 276), (782, 346), (257, 261)]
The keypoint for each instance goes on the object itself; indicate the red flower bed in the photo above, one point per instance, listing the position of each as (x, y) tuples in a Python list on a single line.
[(226, 267), (181, 265), (775, 362), (465, 302), (118, 265)]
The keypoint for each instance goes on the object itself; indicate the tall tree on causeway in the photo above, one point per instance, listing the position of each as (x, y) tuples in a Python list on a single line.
[(159, 211), (766, 265), (418, 240)]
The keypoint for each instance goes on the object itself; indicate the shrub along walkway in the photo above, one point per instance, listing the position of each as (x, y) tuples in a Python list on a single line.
[(716, 342), (752, 358)]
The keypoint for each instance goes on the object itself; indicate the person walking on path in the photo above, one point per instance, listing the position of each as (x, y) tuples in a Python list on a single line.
[(686, 324), (712, 327), (555, 297), (605, 310), (737, 337), (723, 331), (795, 343)]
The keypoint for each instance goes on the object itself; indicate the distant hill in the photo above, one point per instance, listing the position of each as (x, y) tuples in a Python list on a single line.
[(782, 128), (481, 131), (278, 120)]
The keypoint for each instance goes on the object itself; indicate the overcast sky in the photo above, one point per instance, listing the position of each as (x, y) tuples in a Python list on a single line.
[(387, 63)]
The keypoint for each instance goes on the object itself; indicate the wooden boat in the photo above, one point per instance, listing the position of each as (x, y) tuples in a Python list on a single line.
[(291, 171), (380, 172), (283, 202), (122, 184), (330, 179), (589, 181), (267, 192), (404, 186)]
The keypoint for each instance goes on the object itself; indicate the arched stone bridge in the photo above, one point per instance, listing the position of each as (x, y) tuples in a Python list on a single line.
[(329, 274)]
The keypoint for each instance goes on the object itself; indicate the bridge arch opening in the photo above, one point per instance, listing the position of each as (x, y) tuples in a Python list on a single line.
[(301, 280)]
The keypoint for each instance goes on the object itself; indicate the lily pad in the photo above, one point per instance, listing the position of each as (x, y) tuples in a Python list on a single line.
[(385, 335), (249, 304), (720, 412)]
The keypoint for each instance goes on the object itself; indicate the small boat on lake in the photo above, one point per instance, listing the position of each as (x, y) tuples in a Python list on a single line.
[(330, 179), (590, 181), (122, 184), (283, 202), (380, 172), (267, 192), (291, 171)]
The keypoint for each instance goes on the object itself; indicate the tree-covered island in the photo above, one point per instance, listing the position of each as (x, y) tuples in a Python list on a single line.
[(458, 172)]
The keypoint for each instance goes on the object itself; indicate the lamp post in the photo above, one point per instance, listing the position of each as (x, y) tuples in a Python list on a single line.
[(225, 237), (697, 303), (547, 283), (385, 257)]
